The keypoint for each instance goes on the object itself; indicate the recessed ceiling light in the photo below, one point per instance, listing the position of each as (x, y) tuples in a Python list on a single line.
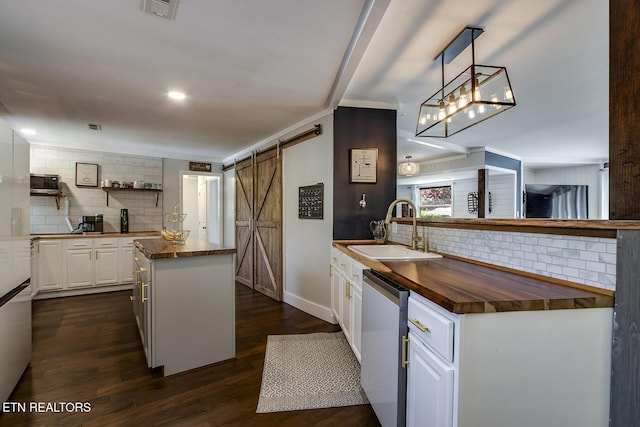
[(176, 95), (27, 131)]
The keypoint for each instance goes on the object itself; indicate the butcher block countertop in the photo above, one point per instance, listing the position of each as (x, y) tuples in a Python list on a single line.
[(159, 249), (463, 286), (94, 235)]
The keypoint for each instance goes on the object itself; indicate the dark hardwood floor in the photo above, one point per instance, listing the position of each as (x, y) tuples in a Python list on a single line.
[(87, 349)]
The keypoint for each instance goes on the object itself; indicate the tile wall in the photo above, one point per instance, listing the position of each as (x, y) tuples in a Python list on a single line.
[(143, 213), (585, 260)]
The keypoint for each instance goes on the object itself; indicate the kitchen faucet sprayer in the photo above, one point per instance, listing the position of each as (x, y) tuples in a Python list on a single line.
[(414, 235)]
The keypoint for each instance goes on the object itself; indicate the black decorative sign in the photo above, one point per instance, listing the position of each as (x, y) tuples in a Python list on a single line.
[(199, 167), (310, 200)]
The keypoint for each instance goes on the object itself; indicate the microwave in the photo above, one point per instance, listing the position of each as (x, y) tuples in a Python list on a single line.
[(44, 184)]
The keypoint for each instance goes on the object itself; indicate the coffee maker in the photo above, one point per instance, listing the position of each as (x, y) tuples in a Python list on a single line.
[(124, 220), (91, 224)]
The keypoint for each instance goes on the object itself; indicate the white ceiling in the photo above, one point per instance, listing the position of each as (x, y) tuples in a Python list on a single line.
[(254, 68)]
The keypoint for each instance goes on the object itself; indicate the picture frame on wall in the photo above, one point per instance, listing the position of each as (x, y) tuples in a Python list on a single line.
[(364, 165), (86, 174)]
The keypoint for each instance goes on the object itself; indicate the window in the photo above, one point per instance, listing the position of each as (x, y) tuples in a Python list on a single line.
[(435, 202)]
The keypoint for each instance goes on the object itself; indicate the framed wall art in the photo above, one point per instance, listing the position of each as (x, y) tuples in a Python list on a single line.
[(86, 175), (364, 165)]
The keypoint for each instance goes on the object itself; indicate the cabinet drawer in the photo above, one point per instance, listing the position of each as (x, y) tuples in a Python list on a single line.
[(80, 243), (355, 275), (106, 243), (431, 327), (335, 258), (126, 242)]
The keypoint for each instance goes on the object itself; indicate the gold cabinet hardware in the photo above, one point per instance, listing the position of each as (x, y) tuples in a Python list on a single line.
[(131, 298), (405, 361), (418, 325), (348, 290), (96, 254)]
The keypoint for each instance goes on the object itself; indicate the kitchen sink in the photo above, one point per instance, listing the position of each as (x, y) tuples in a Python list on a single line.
[(391, 252)]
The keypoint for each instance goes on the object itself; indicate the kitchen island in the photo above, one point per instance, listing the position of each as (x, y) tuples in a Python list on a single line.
[(487, 347), (184, 302)]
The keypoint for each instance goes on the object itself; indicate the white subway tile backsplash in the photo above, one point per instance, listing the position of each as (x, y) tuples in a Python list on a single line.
[(586, 260), (45, 216)]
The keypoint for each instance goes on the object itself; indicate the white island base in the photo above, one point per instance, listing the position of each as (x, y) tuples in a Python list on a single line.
[(187, 310)]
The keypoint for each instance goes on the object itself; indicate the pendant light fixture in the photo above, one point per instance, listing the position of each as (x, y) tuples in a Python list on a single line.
[(408, 168), (476, 94)]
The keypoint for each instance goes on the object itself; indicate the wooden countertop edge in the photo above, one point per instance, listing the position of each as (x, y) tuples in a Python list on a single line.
[(602, 298), (586, 227), (179, 251), (133, 234)]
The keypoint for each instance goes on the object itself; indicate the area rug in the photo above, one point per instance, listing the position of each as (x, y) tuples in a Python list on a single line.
[(308, 371)]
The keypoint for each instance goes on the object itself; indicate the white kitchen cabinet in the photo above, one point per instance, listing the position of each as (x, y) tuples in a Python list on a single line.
[(185, 308), (141, 300), (91, 262), (79, 267), (106, 261), (125, 256), (50, 265), (525, 368), (346, 297), (429, 387)]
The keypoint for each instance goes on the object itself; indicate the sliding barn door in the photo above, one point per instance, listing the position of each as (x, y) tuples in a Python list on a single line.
[(259, 223), (244, 222)]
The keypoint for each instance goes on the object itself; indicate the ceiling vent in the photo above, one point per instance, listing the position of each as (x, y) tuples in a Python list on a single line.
[(94, 126), (163, 8)]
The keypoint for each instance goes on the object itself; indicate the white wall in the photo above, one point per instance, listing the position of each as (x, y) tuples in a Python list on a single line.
[(307, 242), (143, 213), (229, 208)]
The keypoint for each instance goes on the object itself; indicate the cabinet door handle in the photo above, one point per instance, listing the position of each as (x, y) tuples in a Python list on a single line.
[(96, 254), (89, 255), (144, 298), (418, 325), (404, 361)]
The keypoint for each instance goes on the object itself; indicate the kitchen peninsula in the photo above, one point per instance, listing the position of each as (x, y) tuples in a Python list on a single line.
[(184, 302)]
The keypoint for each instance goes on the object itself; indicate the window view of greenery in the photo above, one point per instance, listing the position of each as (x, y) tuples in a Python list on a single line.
[(435, 202)]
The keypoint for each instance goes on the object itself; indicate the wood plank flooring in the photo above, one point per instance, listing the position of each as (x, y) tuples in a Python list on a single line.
[(87, 349)]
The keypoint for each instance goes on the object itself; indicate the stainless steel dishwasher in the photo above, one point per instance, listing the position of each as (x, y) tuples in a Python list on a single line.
[(384, 332)]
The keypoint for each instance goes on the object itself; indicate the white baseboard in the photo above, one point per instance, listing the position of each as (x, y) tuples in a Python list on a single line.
[(312, 308)]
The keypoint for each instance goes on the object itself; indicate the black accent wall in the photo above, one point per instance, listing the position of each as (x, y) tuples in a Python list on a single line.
[(362, 128)]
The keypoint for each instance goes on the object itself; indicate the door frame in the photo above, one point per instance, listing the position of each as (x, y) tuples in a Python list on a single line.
[(213, 176)]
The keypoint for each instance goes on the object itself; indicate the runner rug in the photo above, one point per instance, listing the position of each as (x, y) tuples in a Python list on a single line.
[(308, 371)]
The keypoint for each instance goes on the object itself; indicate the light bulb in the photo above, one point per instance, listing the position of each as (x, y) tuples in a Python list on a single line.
[(508, 95), (423, 120), (442, 113), (463, 101), (452, 104)]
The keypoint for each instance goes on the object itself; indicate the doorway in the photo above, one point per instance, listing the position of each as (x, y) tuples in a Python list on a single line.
[(201, 200)]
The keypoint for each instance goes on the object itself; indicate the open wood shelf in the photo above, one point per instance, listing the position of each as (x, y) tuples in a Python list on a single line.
[(57, 196), (110, 189)]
